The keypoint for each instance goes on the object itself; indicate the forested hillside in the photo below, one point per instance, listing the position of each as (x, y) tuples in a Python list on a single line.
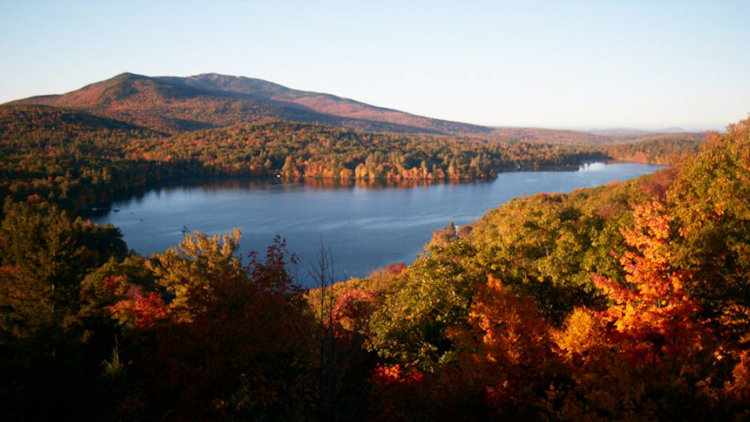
[(78, 160), (174, 104), (178, 104), (627, 301), (663, 149)]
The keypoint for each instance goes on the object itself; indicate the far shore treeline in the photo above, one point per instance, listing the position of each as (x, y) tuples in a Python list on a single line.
[(77, 160)]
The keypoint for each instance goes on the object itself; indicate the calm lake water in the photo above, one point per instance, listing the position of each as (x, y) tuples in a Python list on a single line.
[(364, 228)]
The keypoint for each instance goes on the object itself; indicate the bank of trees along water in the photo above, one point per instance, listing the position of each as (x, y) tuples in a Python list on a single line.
[(76, 159), (628, 301)]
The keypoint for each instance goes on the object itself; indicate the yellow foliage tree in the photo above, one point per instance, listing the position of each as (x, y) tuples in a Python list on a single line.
[(187, 269)]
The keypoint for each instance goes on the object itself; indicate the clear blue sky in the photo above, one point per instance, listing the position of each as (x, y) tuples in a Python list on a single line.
[(650, 64)]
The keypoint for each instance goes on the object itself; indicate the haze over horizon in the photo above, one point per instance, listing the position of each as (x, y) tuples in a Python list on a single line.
[(577, 65)]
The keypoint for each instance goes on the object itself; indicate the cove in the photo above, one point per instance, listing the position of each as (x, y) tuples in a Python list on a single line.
[(363, 228)]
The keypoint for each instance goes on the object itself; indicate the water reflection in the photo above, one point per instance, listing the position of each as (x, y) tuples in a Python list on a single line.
[(366, 225), (596, 166), (286, 185)]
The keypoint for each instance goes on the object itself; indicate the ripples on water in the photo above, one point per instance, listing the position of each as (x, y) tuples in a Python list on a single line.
[(366, 227)]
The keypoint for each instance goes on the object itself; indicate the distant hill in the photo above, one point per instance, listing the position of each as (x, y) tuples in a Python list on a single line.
[(666, 136), (162, 105), (636, 135), (177, 104), (174, 104), (619, 133), (325, 104), (549, 136)]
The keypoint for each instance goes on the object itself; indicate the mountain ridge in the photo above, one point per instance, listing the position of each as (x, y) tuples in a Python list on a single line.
[(174, 104)]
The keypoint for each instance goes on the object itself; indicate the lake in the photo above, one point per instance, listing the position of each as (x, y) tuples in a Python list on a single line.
[(365, 228)]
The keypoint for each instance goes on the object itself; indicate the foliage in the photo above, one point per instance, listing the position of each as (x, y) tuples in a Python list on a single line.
[(636, 291), (665, 149), (243, 331), (186, 271), (626, 302), (434, 294), (50, 349), (709, 202), (78, 160)]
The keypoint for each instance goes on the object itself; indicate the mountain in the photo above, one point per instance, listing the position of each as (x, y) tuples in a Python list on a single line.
[(161, 105), (320, 103), (174, 104)]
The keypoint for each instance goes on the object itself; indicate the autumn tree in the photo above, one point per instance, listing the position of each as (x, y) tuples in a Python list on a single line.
[(645, 351), (505, 354), (652, 313), (709, 202), (235, 342), (187, 270)]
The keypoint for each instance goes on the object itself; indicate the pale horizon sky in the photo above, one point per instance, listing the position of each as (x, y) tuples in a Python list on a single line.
[(574, 64)]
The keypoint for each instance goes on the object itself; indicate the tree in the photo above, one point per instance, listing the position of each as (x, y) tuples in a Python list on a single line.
[(646, 351), (411, 326), (187, 270), (50, 360), (507, 350), (653, 315), (237, 344), (709, 204)]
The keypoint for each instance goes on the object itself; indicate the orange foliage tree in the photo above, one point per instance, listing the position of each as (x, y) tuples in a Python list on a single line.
[(647, 350), (652, 316), (503, 358)]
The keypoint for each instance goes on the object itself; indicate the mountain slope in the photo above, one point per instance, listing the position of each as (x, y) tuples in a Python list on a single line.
[(18, 122), (175, 104), (165, 106), (321, 103)]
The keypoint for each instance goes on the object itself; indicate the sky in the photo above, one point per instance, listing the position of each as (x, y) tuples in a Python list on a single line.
[(561, 64)]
